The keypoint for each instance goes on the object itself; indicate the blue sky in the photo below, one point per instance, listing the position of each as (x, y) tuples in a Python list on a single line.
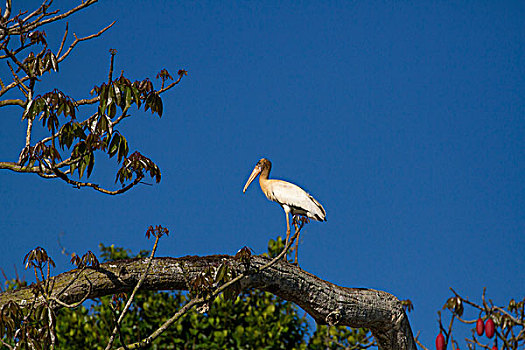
[(405, 120)]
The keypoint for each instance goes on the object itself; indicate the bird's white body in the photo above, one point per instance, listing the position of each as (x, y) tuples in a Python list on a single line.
[(291, 197)]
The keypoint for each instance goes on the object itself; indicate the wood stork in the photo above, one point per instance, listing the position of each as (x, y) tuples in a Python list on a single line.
[(292, 198)]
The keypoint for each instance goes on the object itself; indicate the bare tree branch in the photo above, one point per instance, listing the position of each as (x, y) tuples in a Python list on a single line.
[(13, 102), (24, 89), (7, 11), (77, 40), (78, 184), (38, 22), (379, 311), (12, 85), (201, 300), (48, 173), (63, 40), (130, 299)]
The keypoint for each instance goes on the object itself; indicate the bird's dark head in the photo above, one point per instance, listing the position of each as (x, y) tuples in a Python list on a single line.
[(262, 165)]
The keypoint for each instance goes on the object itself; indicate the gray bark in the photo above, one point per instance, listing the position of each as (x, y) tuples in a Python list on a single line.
[(378, 311)]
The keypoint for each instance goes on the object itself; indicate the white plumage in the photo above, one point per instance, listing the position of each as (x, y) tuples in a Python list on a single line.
[(292, 198)]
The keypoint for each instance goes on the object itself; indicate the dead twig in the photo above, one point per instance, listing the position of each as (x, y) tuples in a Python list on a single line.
[(130, 299), (77, 40)]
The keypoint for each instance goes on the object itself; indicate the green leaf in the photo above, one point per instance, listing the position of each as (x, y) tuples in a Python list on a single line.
[(112, 111), (82, 166), (63, 108), (78, 131), (136, 95), (54, 62), (102, 125), (91, 163), (114, 145), (117, 93), (128, 99), (103, 98), (122, 149), (159, 106), (111, 95), (65, 135), (221, 272)]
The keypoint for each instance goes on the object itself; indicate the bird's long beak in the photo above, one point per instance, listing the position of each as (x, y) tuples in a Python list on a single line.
[(254, 174)]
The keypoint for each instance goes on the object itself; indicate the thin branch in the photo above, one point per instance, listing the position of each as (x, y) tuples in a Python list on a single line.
[(466, 300), (29, 130), (77, 40), (7, 12), (63, 175), (88, 101), (18, 63), (63, 40), (6, 345), (512, 318), (18, 168), (52, 330), (72, 306), (200, 300), (171, 85), (122, 116), (71, 283), (130, 299), (14, 102), (113, 52), (78, 184), (476, 342), (115, 318), (38, 11), (20, 49), (449, 333), (147, 341), (419, 343), (12, 85), (24, 89), (38, 23)]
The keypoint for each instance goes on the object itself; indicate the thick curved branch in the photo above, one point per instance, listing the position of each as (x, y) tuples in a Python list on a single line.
[(378, 311)]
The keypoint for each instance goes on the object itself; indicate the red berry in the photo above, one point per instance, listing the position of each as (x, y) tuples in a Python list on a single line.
[(480, 327), (494, 347), (489, 328), (440, 342)]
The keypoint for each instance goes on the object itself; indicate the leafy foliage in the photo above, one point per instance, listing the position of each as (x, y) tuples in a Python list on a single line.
[(253, 319), (503, 324), (242, 320), (81, 127)]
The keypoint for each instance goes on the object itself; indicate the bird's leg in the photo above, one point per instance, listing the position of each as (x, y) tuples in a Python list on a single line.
[(287, 233), (297, 233)]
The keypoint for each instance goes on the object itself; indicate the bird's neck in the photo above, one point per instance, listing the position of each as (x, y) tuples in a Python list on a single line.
[(264, 174), (265, 183), (263, 177)]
